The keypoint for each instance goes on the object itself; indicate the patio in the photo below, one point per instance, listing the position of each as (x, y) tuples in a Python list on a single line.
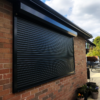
[(95, 77)]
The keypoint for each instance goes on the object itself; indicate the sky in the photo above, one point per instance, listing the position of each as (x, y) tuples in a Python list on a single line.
[(84, 13)]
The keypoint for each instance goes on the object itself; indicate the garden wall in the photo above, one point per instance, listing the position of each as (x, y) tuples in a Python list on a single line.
[(61, 89)]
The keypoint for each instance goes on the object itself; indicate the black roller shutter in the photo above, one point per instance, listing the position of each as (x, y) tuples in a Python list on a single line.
[(40, 55)]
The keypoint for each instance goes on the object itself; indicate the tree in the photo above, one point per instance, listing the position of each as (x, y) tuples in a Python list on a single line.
[(95, 51), (97, 41)]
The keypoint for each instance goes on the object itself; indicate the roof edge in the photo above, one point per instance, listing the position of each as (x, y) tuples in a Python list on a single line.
[(88, 41), (54, 13)]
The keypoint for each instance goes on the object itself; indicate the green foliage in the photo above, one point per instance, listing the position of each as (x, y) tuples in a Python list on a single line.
[(82, 89), (95, 88), (95, 51), (97, 41)]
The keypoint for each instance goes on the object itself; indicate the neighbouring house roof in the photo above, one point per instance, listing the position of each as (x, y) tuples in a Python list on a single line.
[(91, 43), (44, 9)]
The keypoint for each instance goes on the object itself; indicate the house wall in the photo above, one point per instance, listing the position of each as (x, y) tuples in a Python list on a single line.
[(61, 89)]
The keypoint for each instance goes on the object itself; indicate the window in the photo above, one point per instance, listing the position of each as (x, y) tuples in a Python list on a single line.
[(40, 54)]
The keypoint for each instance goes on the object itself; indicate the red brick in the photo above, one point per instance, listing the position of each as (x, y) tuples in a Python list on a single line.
[(11, 23), (7, 45), (1, 98), (47, 86), (8, 26), (0, 76), (26, 94), (41, 88), (1, 24), (1, 66), (1, 88), (16, 98), (1, 55), (48, 99), (4, 61), (6, 76), (1, 14), (7, 65), (8, 7), (1, 45), (8, 35), (3, 20), (8, 56), (8, 60), (4, 40), (7, 86), (1, 34), (5, 11), (42, 95), (5, 30), (34, 91), (11, 80), (10, 70), (2, 93), (30, 97), (10, 96), (11, 89), (8, 16), (2, 82), (3, 71), (5, 50)]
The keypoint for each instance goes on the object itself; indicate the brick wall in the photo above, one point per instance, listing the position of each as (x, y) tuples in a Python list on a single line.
[(61, 89)]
